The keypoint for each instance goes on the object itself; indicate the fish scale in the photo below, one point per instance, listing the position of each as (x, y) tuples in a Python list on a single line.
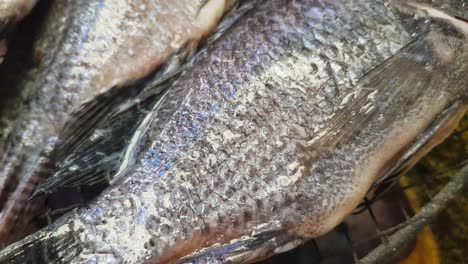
[(257, 140), (86, 52)]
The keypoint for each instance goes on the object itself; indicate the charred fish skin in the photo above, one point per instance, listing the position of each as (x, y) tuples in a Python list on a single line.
[(283, 125), (87, 50)]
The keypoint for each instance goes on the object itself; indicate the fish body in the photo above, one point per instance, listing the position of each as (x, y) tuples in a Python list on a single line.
[(272, 137), (86, 51), (97, 158)]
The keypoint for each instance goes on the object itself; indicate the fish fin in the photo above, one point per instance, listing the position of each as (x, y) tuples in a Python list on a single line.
[(98, 111), (82, 122), (93, 156), (92, 141), (73, 139), (97, 156), (398, 81), (86, 160), (246, 250), (41, 247)]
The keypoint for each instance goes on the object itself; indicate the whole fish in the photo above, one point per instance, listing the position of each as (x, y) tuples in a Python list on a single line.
[(11, 11), (87, 51), (274, 135)]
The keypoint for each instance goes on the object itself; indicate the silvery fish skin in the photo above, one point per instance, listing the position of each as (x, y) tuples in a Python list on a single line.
[(273, 136), (86, 51), (95, 160), (11, 11)]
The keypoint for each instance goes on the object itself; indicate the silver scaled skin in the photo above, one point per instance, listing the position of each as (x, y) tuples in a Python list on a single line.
[(86, 50), (281, 126)]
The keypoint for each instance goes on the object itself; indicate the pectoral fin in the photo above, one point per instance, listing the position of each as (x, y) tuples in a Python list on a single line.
[(93, 143), (379, 95), (97, 153)]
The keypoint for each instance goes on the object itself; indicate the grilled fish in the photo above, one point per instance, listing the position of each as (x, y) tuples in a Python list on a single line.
[(96, 159), (274, 135), (11, 11), (87, 50)]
